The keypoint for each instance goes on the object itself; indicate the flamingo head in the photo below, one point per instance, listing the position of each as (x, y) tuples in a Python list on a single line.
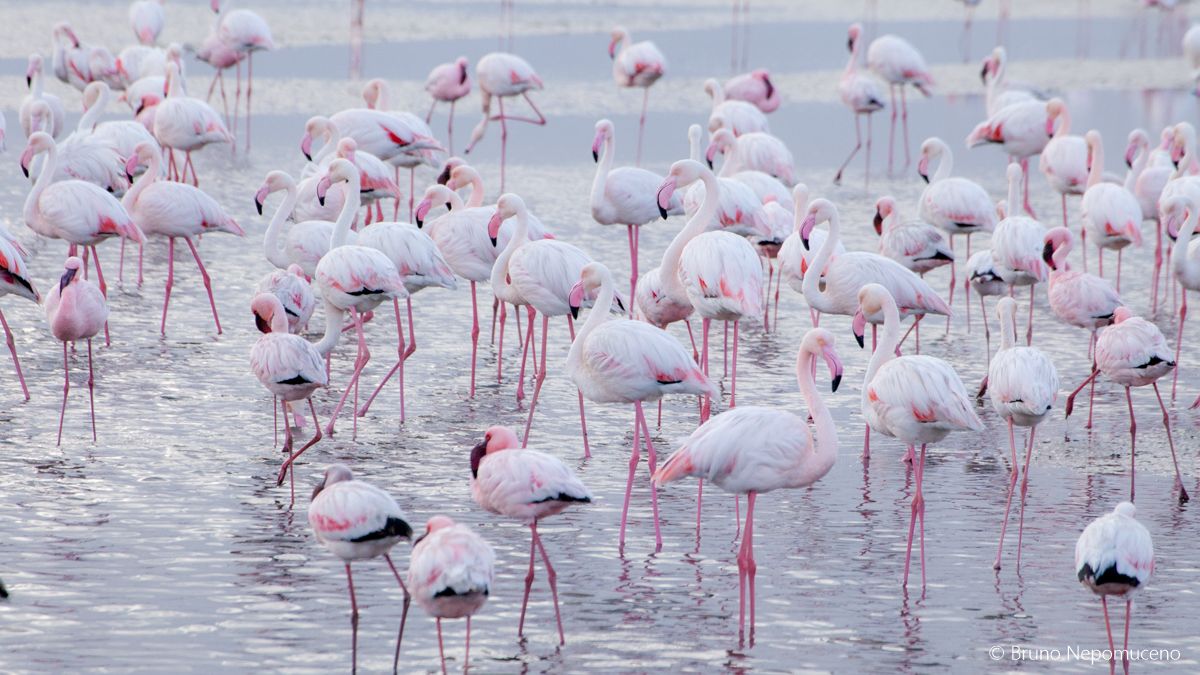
[(604, 131), (1137, 140), (64, 28), (1174, 212), (215, 5), (884, 208), (1122, 314), (619, 35), (495, 439), (39, 141), (433, 525), (872, 300), (507, 206), (340, 171), (451, 165), (819, 341), (269, 316), (422, 211), (313, 128), (371, 92), (336, 473), (1055, 108), (276, 180), (931, 148), (70, 269), (35, 67), (820, 211), (346, 148), (591, 277), (1056, 238), (682, 174), (853, 34)]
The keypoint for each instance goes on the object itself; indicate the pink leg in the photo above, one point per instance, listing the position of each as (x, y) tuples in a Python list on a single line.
[(1024, 491), (467, 655), (587, 450), (450, 146), (953, 282), (66, 389), (121, 262), (474, 336), (552, 577), (404, 613), (837, 178), (541, 377), (500, 348), (653, 466), (92, 390), (12, 349), (141, 250), (634, 458), (1029, 328), (706, 406), (397, 368), (360, 362), (287, 467), (892, 135), (692, 337), (249, 88), (170, 283), (642, 124), (528, 577), (1158, 261), (526, 345), (767, 297), (237, 99), (1071, 397), (634, 236), (503, 141), (747, 568), (918, 502), (353, 622), (904, 122), (1108, 627), (1132, 442), (207, 283), (103, 287), (441, 649), (733, 384), (1183, 495), (1012, 484), (987, 331), (725, 352), (1179, 344), (1119, 252), (1125, 645)]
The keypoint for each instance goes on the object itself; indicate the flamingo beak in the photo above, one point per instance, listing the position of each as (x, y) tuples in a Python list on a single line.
[(575, 299), (709, 154), (477, 454), (66, 279), (26, 157), (612, 49), (494, 226), (260, 197), (1048, 255), (859, 328), (923, 169), (983, 73), (422, 211), (306, 146), (444, 177), (806, 229), (878, 222), (322, 188), (835, 365), (131, 166), (596, 147), (317, 490), (664, 195), (1129, 155)]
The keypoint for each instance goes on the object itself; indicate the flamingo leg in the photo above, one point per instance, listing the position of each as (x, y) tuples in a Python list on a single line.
[(287, 463), (1179, 343), (467, 655), (525, 347), (747, 568), (91, 389), (12, 349), (634, 458), (918, 507), (1125, 645), (837, 178), (503, 141), (249, 88), (1183, 495), (1027, 205), (642, 124), (904, 124), (450, 146), (397, 368), (653, 466), (474, 336), (404, 612), (360, 362), (1012, 484), (66, 389), (706, 406), (953, 282), (1071, 396), (1108, 627), (207, 282), (528, 577), (170, 283), (1024, 490), (1029, 328), (500, 348), (353, 622), (587, 450), (237, 99), (552, 577), (102, 284), (892, 135), (441, 649), (1132, 442), (867, 177), (541, 377), (733, 384), (987, 331), (1158, 261)]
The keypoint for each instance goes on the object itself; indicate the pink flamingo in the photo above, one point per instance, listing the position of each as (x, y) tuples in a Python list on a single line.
[(861, 94), (235, 37), (898, 63), (176, 211), (147, 19), (754, 151), (504, 75), (636, 64), (1149, 171), (999, 92), (915, 244), (1018, 244), (1186, 267), (375, 177), (291, 368), (740, 117), (955, 204), (305, 242), (754, 87), (78, 64), (917, 399), (623, 196), (1064, 159), (34, 80), (1023, 386), (353, 278), (73, 210), (82, 157), (794, 259), (1133, 353), (510, 480), (375, 95), (15, 280), (983, 278), (185, 123), (124, 135), (451, 572), (76, 310), (1111, 213), (357, 521), (382, 134), (625, 361), (1077, 298), (1021, 129), (1115, 556), (447, 83), (754, 449), (294, 293), (740, 196)]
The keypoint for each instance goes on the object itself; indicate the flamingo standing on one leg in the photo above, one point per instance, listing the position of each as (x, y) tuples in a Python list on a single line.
[(502, 75), (1186, 266), (636, 64), (861, 94), (624, 195), (243, 32), (176, 211), (185, 123), (15, 280), (1115, 556), (755, 449), (1023, 130), (1133, 353), (357, 521), (917, 399), (511, 480), (625, 361), (1023, 386), (1111, 213), (447, 83), (898, 63), (1018, 246), (450, 571), (76, 310)]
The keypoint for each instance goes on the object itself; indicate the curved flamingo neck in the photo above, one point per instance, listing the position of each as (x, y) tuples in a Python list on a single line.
[(453, 199), (945, 163), (1061, 252), (1140, 158), (812, 279), (668, 271), (519, 236), (341, 228), (332, 136), (602, 169), (129, 201), (32, 209), (1064, 124), (823, 449), (37, 84), (334, 316), (271, 239), (1095, 173), (92, 115), (475, 199), (1189, 155), (852, 62), (1008, 330), (1181, 263), (886, 349), (596, 316)]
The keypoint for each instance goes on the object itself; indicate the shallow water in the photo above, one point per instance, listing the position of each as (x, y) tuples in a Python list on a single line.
[(165, 547)]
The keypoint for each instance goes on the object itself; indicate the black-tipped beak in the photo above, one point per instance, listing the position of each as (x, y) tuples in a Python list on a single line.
[(28, 81), (493, 241), (804, 240), (307, 156), (444, 176), (1048, 255), (575, 312), (321, 200), (850, 45), (661, 211), (861, 340), (420, 222), (1175, 162), (258, 206), (477, 454), (595, 156), (925, 178), (709, 163), (25, 170), (620, 304), (837, 380), (878, 222), (983, 73), (317, 490), (129, 176), (66, 279)]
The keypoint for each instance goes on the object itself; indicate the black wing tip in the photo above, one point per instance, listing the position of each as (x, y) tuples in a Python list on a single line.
[(564, 497), (394, 527)]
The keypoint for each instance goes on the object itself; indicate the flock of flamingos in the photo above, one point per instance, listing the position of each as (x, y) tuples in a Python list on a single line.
[(749, 225)]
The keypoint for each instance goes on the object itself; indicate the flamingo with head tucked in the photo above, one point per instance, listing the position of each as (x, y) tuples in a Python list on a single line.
[(447, 83), (754, 87), (915, 244), (983, 278), (740, 117), (294, 293), (636, 64)]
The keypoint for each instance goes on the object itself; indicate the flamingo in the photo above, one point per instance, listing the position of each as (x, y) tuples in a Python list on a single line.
[(385, 135), (185, 123), (34, 80), (915, 244), (740, 117), (754, 87), (294, 293), (1000, 93), (625, 361), (1148, 174), (122, 135), (753, 151), (1018, 245), (1133, 353), (1023, 386), (1023, 130), (917, 399), (82, 157), (147, 19), (353, 278), (955, 204), (421, 266), (982, 276), (375, 95), (140, 62), (374, 178), (305, 242), (76, 310), (1064, 159), (291, 368), (898, 63), (78, 64), (511, 480), (539, 274), (447, 83), (794, 258), (623, 196), (719, 272), (837, 291), (1110, 212), (1191, 52), (1186, 266), (236, 35), (356, 521), (15, 280), (1115, 556), (861, 94), (636, 64), (451, 572), (1077, 298), (502, 75), (754, 449)]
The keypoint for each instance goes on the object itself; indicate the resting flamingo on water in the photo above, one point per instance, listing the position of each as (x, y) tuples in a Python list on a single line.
[(1133, 353), (295, 294), (636, 64), (1023, 130), (185, 123), (623, 195), (754, 449), (1115, 556), (754, 87), (1064, 160), (916, 399), (447, 83), (357, 521), (510, 480), (175, 211), (625, 361), (76, 310), (897, 62), (1018, 246), (503, 75), (1110, 212), (1023, 386), (450, 572), (15, 280), (860, 93), (915, 244)]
